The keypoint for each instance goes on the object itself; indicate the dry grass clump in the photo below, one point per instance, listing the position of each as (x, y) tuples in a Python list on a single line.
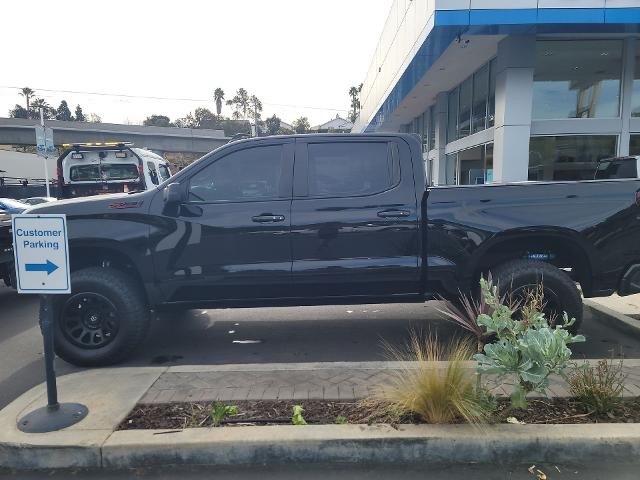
[(432, 383)]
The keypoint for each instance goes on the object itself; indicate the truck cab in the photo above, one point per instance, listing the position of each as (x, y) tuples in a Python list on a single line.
[(99, 168)]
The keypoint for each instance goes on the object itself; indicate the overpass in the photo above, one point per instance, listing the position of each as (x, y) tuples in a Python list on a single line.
[(19, 131)]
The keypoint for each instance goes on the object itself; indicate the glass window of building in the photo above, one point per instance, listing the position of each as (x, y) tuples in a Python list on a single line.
[(471, 166), (432, 128), (464, 110), (451, 166), (480, 97), (634, 145), (635, 98), (491, 113), (568, 157), (488, 163), (452, 113), (577, 79), (425, 131)]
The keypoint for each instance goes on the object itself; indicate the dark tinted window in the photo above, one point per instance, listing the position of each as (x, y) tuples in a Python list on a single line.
[(164, 172), (352, 168), (617, 168), (243, 175)]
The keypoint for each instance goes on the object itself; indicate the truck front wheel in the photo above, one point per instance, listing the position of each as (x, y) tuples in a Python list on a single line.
[(518, 277), (103, 320)]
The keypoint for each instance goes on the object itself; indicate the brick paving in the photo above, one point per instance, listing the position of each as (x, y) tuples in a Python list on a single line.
[(311, 382)]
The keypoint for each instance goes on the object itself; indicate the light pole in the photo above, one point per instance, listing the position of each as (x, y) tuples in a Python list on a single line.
[(46, 167)]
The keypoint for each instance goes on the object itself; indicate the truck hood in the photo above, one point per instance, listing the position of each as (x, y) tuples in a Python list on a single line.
[(97, 204)]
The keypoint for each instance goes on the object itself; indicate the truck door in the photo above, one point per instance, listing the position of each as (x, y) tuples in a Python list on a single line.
[(354, 218), (231, 238)]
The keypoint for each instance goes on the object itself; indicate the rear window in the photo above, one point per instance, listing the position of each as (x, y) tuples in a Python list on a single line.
[(104, 172), (352, 168)]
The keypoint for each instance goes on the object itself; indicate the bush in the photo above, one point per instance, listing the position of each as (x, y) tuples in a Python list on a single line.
[(528, 350), (436, 392), (597, 389)]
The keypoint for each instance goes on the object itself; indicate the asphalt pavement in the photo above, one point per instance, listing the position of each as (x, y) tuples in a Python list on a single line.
[(355, 333), (599, 471)]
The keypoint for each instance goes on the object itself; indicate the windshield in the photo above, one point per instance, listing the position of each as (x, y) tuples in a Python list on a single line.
[(104, 172)]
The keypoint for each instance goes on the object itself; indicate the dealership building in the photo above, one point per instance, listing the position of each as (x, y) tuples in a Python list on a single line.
[(508, 90)]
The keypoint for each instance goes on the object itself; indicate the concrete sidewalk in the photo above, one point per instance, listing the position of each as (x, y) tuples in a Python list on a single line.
[(629, 306), (313, 381), (110, 394)]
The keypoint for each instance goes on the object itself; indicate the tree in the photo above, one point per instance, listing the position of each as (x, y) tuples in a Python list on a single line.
[(218, 96), (273, 125), (205, 118), (79, 115), (240, 103), (19, 112), (157, 121), (187, 121), (255, 105), (301, 125), (47, 111), (354, 93), (27, 93), (63, 112), (94, 118)]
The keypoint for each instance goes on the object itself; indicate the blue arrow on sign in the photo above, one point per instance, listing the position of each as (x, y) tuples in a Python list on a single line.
[(48, 267)]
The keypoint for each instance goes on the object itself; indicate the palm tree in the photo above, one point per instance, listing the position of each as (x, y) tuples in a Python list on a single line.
[(218, 96), (27, 93)]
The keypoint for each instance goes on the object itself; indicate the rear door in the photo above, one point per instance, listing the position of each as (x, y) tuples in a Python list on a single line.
[(354, 218)]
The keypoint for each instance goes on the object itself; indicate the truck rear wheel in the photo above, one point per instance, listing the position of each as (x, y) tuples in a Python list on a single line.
[(518, 277), (103, 320)]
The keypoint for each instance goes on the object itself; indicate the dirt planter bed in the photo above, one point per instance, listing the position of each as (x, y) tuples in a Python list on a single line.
[(318, 412)]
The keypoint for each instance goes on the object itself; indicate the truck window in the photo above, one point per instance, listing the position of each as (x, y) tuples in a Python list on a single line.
[(244, 175), (85, 173), (153, 173), (119, 171), (164, 172), (352, 168)]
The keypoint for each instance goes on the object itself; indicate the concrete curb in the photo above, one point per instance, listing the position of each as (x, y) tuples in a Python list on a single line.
[(613, 319), (378, 443)]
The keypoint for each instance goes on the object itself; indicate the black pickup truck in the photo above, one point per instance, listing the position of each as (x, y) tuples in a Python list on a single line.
[(331, 219)]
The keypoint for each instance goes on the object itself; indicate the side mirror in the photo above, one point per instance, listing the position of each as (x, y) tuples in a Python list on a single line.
[(174, 194)]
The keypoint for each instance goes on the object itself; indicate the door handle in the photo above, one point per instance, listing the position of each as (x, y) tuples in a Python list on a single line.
[(393, 213), (268, 218)]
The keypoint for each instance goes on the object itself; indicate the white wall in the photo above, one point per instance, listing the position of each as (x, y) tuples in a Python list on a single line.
[(25, 165)]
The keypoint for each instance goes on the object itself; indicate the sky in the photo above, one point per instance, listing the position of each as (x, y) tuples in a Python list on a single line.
[(298, 56)]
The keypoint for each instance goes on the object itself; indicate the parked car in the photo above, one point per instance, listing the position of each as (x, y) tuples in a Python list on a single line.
[(38, 200), (7, 268), (618, 167), (97, 168), (331, 219), (9, 205)]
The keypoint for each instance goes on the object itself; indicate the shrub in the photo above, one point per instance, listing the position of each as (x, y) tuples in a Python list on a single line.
[(296, 417), (598, 389), (220, 411), (527, 350), (341, 420), (435, 391)]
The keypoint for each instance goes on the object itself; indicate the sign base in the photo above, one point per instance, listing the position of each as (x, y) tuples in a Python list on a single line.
[(50, 419)]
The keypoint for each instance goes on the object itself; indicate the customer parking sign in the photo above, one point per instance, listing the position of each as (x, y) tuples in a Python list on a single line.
[(40, 249)]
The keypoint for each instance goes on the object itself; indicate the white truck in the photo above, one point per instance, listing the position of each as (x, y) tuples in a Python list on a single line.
[(96, 168)]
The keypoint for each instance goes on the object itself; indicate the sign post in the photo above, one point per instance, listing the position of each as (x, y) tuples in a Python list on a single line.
[(40, 248), (45, 146)]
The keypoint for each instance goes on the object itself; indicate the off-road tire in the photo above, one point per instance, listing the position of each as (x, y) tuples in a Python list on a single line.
[(517, 274), (132, 314)]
